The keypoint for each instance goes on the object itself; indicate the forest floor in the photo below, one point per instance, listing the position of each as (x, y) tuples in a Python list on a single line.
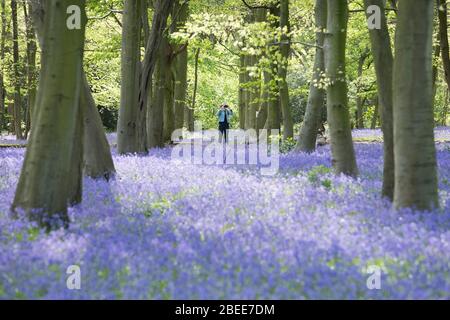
[(166, 229)]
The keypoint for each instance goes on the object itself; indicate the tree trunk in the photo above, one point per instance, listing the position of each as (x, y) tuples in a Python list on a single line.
[(444, 113), (261, 117), (342, 149), (169, 86), (443, 38), (17, 78), (128, 124), (373, 125), (189, 115), (414, 149), (162, 9), (383, 58), (242, 94), (285, 47), (3, 110), (181, 68), (360, 100), (273, 105), (316, 99), (98, 162), (50, 157), (31, 69), (253, 97), (155, 138)]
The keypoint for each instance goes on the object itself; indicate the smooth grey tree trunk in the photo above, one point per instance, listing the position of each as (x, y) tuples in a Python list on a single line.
[(359, 121), (242, 95), (443, 39), (128, 124), (31, 68), (162, 9), (285, 48), (98, 162), (169, 90), (343, 153), (383, 59), (181, 69), (17, 80), (414, 148), (156, 113), (316, 98), (3, 110), (49, 161)]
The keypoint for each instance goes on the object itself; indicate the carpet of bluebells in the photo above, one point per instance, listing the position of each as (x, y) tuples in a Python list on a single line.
[(172, 230)]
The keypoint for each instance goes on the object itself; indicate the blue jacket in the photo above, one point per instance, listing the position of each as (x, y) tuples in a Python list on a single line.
[(221, 115)]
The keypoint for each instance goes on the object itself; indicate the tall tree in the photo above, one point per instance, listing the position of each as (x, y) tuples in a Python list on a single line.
[(242, 101), (359, 121), (382, 53), (155, 130), (343, 153), (128, 124), (44, 189), (414, 148), (181, 68), (17, 76), (270, 79), (2, 64), (443, 38), (31, 67), (98, 162), (316, 98), (162, 9), (285, 47), (252, 91)]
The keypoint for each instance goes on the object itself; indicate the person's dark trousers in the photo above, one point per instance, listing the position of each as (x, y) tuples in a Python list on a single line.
[(223, 128)]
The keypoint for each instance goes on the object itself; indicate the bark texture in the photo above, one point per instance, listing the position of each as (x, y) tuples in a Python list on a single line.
[(414, 148)]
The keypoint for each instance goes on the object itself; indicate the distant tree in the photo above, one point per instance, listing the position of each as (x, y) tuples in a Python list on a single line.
[(17, 75), (31, 67), (316, 98), (288, 124), (128, 125), (2, 65), (383, 58), (181, 67)]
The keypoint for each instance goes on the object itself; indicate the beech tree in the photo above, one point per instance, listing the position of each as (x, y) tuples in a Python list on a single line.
[(181, 68), (288, 124), (316, 98), (343, 153), (127, 130), (134, 130), (97, 158), (17, 95), (383, 59), (44, 189), (414, 147), (2, 66)]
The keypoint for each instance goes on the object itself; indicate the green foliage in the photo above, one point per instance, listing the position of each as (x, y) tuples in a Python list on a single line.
[(317, 175), (223, 31)]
